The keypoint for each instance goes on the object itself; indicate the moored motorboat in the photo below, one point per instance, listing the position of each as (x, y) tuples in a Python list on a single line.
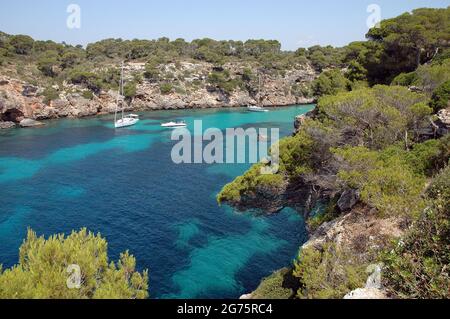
[(179, 124), (254, 108)]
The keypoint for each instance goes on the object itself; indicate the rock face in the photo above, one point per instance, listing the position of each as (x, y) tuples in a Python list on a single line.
[(443, 121), (6, 125), (301, 119), (366, 294), (360, 230), (348, 200), (373, 289), (190, 89)]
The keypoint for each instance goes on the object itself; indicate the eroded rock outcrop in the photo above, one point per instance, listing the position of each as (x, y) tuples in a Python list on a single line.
[(30, 123), (19, 100), (7, 125), (361, 232)]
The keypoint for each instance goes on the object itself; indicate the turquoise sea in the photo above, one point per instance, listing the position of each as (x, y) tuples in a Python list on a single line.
[(122, 183)]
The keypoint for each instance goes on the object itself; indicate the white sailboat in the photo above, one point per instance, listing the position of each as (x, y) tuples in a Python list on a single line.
[(257, 108), (125, 120)]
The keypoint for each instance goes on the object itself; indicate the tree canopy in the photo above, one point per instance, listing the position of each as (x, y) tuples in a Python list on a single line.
[(43, 271)]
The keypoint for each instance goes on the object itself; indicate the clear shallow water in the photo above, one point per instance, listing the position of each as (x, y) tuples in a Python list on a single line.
[(123, 184)]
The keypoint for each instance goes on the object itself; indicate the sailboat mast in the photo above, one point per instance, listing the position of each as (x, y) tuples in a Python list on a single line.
[(121, 88), (259, 89), (117, 101)]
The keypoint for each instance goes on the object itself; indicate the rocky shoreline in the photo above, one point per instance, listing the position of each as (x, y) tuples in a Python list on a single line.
[(20, 100), (360, 230)]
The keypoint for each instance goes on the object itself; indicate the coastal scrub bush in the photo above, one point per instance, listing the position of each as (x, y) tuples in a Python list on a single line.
[(432, 76), (42, 270), (295, 154), (88, 95), (22, 44), (441, 97), (322, 216), (50, 94), (166, 88), (129, 90), (356, 72), (251, 183), (386, 182), (405, 79), (417, 267), (430, 156), (48, 62), (223, 81), (89, 79), (328, 273), (151, 71), (330, 83), (280, 285), (376, 117), (427, 77)]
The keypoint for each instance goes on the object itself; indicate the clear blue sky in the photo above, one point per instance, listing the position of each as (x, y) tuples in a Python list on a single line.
[(295, 23)]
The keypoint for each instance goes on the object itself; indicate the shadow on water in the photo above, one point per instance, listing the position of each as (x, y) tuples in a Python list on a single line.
[(83, 173)]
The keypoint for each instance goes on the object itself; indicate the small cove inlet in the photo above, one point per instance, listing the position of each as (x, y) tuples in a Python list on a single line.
[(123, 184)]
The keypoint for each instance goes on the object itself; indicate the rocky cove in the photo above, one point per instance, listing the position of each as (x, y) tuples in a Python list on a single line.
[(350, 224), (21, 100)]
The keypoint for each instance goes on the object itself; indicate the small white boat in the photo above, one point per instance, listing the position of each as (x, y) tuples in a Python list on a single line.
[(128, 120), (174, 124), (254, 108), (125, 120)]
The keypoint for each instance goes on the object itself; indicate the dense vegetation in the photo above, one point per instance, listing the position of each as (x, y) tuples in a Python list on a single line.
[(370, 134), (377, 141), (418, 265), (398, 47), (320, 278), (42, 272)]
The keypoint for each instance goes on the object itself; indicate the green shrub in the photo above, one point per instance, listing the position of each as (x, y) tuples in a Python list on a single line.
[(441, 97), (323, 216), (48, 62), (280, 285), (330, 83), (430, 156), (417, 267), (151, 71), (249, 184), (42, 272), (405, 79), (89, 79), (22, 44), (386, 182), (166, 88), (439, 189), (356, 72), (50, 94), (223, 81), (88, 95), (129, 90), (329, 273)]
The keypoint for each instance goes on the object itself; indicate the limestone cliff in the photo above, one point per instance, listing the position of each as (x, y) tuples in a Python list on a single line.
[(189, 89), (361, 232)]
